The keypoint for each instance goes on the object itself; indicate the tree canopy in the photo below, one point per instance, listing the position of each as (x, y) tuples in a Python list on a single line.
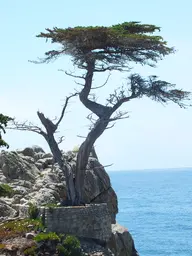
[(110, 47), (3, 123)]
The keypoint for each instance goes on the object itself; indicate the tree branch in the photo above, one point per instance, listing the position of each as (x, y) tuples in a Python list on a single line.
[(64, 108), (26, 127), (97, 87), (61, 139), (70, 74)]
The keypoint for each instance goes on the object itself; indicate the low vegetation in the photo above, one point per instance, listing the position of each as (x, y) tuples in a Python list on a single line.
[(13, 240), (33, 211), (6, 190)]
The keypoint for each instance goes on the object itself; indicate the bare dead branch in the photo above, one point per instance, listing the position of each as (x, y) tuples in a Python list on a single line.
[(64, 108), (119, 116), (110, 126), (61, 139), (83, 137), (79, 83), (102, 84), (70, 74), (90, 118), (25, 126), (104, 166)]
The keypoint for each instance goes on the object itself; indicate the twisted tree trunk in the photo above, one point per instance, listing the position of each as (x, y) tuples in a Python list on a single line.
[(83, 157), (57, 155)]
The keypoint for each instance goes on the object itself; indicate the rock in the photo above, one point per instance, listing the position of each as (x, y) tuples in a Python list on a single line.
[(23, 201), (91, 248), (16, 199), (39, 166), (29, 183), (28, 152), (15, 167), (44, 196), (108, 196), (35, 179), (29, 159), (37, 149), (30, 235), (45, 162), (121, 242), (6, 210), (98, 187), (20, 190), (2, 177), (47, 155)]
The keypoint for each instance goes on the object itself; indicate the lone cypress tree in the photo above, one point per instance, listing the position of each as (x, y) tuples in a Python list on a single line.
[(3, 123), (114, 48)]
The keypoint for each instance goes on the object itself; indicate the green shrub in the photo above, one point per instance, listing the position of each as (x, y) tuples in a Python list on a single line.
[(30, 251), (72, 246), (51, 236), (33, 211), (16, 228), (6, 190)]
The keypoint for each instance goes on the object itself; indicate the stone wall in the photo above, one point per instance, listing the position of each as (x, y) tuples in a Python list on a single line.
[(90, 221)]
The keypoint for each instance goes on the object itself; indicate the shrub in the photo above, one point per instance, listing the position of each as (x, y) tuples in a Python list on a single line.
[(31, 251), (15, 228), (6, 190), (51, 236), (72, 246), (33, 211)]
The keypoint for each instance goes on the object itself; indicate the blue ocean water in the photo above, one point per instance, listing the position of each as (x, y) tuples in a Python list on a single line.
[(156, 207)]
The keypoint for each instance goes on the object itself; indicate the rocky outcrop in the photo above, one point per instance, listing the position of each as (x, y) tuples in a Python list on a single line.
[(6, 210), (34, 178), (121, 242)]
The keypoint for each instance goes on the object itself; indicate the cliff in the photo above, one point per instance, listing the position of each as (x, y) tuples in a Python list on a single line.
[(35, 179)]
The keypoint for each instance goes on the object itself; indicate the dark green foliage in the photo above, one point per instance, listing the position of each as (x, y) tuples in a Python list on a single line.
[(72, 246), (30, 251), (33, 211), (3, 123), (115, 45), (69, 246), (65, 245), (6, 190)]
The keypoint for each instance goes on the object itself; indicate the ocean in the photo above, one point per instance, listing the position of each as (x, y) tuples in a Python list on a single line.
[(156, 208)]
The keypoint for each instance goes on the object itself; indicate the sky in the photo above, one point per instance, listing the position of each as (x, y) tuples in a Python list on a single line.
[(154, 136)]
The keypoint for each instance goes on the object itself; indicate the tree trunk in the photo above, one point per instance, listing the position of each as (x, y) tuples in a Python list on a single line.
[(57, 155), (58, 158), (83, 156)]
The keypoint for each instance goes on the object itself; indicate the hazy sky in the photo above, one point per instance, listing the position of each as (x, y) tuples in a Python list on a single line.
[(153, 137)]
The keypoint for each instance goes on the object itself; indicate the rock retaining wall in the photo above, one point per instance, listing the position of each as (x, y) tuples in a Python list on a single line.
[(90, 221)]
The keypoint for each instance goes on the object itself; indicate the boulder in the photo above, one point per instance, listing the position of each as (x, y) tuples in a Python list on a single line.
[(2, 177), (98, 187), (121, 242), (6, 210), (108, 196), (45, 162), (28, 152), (15, 167), (37, 149), (30, 235)]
